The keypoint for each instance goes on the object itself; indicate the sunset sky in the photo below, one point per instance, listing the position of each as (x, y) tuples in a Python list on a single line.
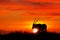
[(18, 15)]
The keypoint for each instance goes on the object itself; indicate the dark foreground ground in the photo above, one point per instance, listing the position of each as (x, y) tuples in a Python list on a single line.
[(27, 36)]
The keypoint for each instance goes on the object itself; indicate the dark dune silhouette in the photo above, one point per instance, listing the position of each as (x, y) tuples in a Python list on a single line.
[(27, 36)]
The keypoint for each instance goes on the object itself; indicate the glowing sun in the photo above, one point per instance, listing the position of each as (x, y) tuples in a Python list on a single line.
[(35, 30)]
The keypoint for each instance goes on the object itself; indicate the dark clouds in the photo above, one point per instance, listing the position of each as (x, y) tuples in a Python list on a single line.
[(55, 14), (29, 2), (45, 14)]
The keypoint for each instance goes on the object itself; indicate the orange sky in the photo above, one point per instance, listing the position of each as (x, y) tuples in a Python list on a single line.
[(19, 15)]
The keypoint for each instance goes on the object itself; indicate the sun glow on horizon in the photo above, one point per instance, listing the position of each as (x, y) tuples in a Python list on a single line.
[(35, 30)]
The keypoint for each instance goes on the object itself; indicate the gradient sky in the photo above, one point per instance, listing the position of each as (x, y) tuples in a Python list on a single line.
[(18, 15)]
